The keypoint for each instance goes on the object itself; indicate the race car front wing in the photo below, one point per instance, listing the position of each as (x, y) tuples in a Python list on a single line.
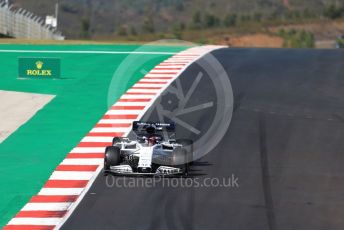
[(128, 170)]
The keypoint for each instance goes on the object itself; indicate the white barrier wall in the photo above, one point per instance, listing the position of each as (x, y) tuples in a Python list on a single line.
[(19, 23)]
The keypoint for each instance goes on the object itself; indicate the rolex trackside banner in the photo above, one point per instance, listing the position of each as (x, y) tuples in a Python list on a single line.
[(39, 67)]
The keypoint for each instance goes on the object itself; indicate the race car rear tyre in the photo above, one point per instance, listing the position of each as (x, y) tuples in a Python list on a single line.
[(116, 140), (112, 157), (188, 146), (179, 159)]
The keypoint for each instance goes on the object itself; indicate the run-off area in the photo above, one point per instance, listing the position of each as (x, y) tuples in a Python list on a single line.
[(17, 108)]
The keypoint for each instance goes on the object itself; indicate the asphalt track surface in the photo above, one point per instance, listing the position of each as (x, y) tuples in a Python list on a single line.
[(285, 145)]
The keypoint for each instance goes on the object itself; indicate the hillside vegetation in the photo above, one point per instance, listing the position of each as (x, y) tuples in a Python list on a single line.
[(182, 19)]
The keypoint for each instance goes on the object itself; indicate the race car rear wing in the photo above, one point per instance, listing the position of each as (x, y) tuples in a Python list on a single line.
[(153, 126)]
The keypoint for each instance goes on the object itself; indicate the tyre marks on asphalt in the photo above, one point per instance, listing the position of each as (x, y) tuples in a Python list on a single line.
[(266, 184)]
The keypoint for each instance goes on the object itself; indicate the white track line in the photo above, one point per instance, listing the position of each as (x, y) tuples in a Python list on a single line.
[(85, 52)]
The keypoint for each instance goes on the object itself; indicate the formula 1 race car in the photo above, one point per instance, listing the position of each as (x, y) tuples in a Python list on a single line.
[(149, 154)]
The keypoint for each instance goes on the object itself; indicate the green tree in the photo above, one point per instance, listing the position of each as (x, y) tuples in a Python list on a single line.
[(85, 27), (148, 25), (333, 12), (281, 32), (177, 31), (340, 42), (122, 31), (197, 20), (257, 16), (307, 13), (180, 6), (296, 14), (274, 15), (245, 17), (297, 39), (310, 40), (182, 26), (230, 20), (133, 30), (211, 21)]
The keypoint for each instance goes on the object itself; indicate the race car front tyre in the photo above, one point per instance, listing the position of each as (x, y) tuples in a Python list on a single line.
[(112, 157)]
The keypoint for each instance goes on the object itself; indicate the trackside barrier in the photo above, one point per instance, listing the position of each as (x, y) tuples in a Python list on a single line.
[(20, 23)]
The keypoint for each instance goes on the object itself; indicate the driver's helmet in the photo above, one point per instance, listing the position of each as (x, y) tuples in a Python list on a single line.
[(153, 140)]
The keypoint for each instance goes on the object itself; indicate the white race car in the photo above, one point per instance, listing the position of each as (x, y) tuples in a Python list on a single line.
[(149, 154)]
